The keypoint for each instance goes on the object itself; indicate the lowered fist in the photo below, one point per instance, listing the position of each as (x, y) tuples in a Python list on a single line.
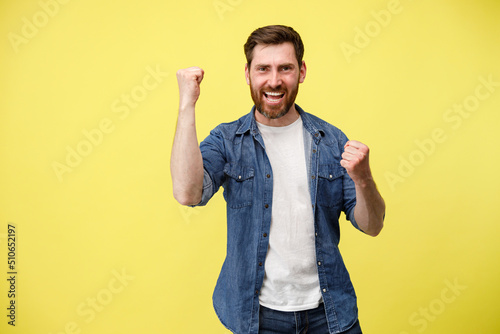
[(355, 161), (189, 80)]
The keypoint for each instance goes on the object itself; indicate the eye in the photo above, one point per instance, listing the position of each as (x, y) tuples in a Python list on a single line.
[(286, 68)]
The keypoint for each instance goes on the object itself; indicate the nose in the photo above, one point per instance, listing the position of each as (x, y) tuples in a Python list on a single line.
[(275, 79)]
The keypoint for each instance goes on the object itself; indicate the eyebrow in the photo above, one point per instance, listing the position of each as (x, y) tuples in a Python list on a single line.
[(280, 65)]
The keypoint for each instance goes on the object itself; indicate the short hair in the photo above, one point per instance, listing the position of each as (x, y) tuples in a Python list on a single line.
[(273, 35)]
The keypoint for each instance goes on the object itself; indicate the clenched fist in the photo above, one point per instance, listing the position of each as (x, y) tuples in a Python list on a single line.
[(355, 161), (189, 80)]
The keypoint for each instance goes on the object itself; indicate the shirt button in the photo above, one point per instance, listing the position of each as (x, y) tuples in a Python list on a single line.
[(266, 206), (314, 151), (324, 290), (313, 177), (268, 175), (319, 263), (239, 177), (316, 135), (331, 176), (264, 235), (260, 264)]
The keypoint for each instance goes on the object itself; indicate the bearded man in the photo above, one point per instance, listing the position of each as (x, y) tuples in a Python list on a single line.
[(287, 175)]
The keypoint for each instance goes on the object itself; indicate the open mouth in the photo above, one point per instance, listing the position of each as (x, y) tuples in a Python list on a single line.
[(274, 97)]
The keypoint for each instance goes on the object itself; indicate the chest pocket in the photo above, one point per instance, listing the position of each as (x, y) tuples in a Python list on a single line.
[(330, 185), (238, 188)]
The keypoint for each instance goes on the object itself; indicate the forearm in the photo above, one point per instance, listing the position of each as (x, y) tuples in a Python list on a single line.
[(370, 208), (186, 163)]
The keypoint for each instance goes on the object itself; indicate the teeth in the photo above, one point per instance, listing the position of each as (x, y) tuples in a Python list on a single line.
[(273, 94)]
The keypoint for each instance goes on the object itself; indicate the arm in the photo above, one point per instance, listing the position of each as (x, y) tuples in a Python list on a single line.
[(370, 207), (186, 163)]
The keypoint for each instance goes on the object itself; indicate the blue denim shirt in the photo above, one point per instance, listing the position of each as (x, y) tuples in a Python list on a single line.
[(234, 157)]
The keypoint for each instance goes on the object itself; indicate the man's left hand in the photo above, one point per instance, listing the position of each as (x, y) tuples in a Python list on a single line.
[(355, 161)]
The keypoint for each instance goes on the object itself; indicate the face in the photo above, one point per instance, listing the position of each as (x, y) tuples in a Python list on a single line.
[(274, 76)]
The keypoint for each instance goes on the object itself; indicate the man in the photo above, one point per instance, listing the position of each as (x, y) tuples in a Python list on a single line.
[(286, 175)]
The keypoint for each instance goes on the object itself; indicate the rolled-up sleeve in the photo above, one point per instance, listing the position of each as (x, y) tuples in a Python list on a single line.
[(349, 189), (212, 151), (207, 189)]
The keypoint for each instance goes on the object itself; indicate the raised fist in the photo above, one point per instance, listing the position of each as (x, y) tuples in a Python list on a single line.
[(189, 80), (355, 161)]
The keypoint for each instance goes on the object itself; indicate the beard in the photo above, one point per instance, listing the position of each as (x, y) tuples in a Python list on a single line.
[(272, 111)]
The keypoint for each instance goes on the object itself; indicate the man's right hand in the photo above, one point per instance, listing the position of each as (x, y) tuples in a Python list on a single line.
[(189, 80)]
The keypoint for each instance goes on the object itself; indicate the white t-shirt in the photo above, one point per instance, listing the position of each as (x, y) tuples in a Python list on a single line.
[(291, 277)]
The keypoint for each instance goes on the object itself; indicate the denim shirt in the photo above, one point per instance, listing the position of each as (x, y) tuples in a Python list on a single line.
[(234, 157)]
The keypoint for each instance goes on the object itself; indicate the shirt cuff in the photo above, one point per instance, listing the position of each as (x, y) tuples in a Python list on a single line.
[(207, 189)]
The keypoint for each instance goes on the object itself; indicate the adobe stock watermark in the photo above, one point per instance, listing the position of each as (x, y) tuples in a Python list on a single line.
[(122, 107), (454, 118), (187, 212), (372, 29), (424, 316), (223, 6), (31, 26), (89, 309)]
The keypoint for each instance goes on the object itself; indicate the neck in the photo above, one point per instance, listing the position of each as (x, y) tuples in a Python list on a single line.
[(291, 116)]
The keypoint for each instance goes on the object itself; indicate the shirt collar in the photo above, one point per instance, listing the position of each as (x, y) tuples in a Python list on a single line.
[(250, 124)]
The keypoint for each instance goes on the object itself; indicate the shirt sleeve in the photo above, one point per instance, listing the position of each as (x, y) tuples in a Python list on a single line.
[(212, 151), (349, 190), (207, 189)]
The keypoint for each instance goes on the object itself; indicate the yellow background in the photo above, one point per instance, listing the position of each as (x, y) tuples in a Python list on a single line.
[(114, 212)]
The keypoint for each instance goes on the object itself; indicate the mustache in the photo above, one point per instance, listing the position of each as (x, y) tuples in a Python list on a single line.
[(278, 89)]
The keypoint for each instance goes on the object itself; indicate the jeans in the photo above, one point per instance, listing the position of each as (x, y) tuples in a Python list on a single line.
[(302, 322)]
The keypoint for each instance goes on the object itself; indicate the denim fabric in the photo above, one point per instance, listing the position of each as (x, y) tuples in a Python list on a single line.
[(234, 157), (302, 322)]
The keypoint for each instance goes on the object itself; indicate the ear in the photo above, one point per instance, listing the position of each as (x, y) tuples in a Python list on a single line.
[(247, 74), (302, 74)]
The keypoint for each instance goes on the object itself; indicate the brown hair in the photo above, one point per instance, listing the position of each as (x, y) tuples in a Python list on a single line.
[(274, 34)]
